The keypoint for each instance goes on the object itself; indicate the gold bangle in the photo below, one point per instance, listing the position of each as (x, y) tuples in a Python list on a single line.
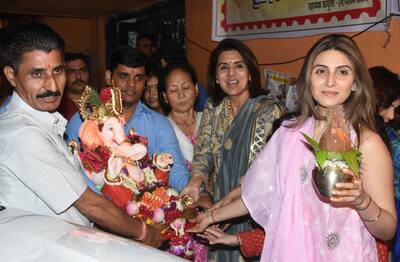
[(374, 219), (367, 206)]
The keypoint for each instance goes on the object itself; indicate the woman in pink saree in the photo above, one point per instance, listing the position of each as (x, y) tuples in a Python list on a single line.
[(278, 192)]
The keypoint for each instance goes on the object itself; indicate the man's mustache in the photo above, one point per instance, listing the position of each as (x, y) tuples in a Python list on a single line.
[(49, 93), (80, 82)]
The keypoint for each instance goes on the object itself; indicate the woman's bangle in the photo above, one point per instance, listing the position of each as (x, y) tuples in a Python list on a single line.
[(362, 200), (143, 233), (238, 239), (374, 219), (367, 206)]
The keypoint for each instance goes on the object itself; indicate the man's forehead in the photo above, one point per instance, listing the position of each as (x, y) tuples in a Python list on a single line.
[(130, 70), (42, 59), (75, 63)]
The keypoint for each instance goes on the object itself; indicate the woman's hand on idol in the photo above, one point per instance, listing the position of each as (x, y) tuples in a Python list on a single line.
[(215, 235), (202, 221), (193, 187), (205, 202)]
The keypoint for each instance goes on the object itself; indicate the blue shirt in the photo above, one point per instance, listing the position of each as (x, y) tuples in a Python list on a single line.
[(3, 106), (160, 135)]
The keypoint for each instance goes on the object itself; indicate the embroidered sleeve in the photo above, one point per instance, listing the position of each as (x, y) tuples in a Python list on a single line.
[(252, 242), (263, 127), (202, 163)]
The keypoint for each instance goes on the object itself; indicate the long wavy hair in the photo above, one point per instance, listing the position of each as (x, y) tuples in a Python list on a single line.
[(360, 106)]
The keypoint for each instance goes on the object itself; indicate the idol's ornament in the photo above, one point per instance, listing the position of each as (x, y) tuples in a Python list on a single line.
[(333, 153), (124, 172)]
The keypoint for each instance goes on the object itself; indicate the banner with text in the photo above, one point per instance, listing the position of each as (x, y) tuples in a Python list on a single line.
[(246, 19)]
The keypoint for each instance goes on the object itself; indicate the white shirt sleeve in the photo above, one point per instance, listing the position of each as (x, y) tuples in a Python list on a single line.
[(45, 166)]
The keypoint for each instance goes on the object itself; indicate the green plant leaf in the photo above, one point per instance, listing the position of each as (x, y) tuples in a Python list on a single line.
[(313, 143), (334, 156), (321, 156), (352, 159)]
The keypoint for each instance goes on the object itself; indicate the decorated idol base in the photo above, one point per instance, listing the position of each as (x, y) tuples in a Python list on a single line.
[(325, 179)]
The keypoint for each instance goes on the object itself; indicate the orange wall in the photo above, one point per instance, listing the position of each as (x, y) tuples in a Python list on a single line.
[(85, 35), (198, 30)]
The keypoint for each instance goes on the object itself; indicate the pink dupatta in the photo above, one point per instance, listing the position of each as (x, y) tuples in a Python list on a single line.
[(299, 226)]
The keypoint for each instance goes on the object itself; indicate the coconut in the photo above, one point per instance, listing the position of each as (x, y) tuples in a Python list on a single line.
[(335, 138)]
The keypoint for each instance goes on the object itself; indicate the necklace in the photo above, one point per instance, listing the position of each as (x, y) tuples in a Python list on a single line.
[(227, 117)]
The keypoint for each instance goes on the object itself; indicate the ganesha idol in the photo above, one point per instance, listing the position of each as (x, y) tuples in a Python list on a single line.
[(118, 164)]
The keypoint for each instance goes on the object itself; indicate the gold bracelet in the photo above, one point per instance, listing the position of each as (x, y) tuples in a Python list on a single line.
[(369, 203), (374, 219)]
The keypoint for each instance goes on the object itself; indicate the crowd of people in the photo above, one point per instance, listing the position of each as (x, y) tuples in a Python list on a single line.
[(238, 153)]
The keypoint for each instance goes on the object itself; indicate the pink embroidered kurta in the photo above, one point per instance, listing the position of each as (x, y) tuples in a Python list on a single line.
[(299, 226)]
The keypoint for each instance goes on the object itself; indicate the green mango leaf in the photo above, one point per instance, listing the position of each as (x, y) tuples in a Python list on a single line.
[(335, 156), (352, 159), (321, 156), (313, 143)]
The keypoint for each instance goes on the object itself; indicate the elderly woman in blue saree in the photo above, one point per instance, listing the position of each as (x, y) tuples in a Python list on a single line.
[(235, 126)]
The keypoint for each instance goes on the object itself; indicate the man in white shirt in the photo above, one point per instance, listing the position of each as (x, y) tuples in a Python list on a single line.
[(37, 171)]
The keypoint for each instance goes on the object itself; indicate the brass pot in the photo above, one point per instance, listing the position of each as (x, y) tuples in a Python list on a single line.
[(325, 179)]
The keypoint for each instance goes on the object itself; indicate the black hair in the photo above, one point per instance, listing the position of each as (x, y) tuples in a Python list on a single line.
[(386, 84), (126, 55), (387, 89), (27, 38), (250, 61), (155, 71), (77, 56), (162, 88)]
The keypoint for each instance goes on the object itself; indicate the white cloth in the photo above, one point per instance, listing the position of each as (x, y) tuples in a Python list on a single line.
[(38, 173), (185, 143)]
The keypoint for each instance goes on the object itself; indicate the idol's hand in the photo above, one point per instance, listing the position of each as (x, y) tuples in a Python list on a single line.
[(351, 193)]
